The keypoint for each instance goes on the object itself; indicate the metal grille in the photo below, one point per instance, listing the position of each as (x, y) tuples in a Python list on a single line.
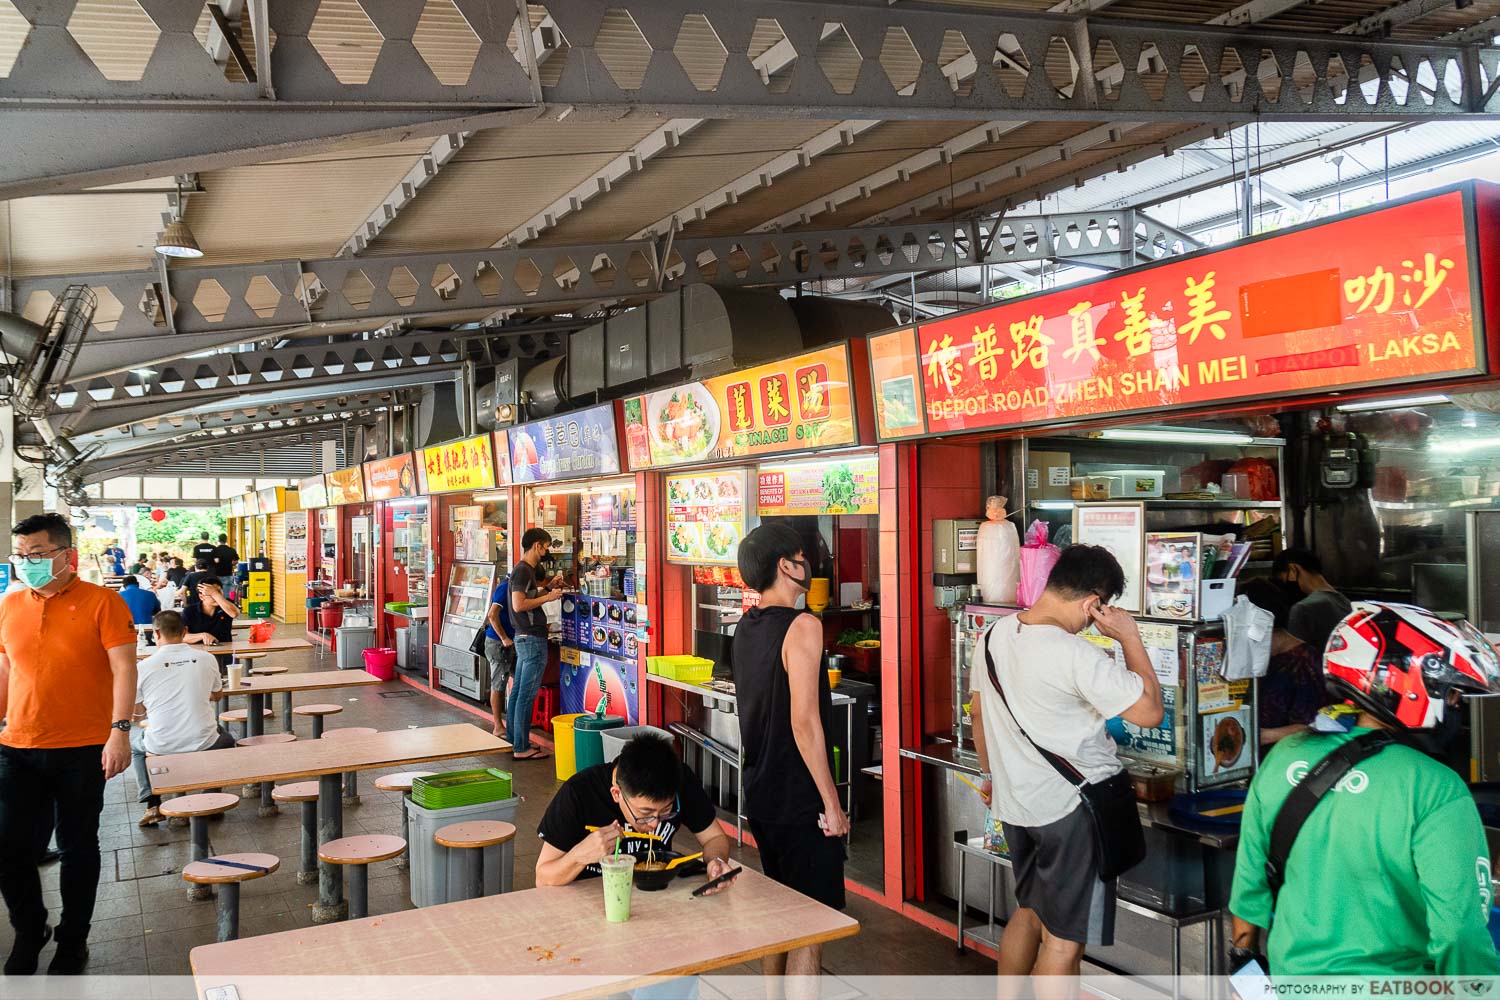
[(297, 462)]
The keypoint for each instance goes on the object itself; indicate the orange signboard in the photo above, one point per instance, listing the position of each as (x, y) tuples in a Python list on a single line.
[(458, 465), (1384, 297), (346, 486), (390, 478), (798, 404)]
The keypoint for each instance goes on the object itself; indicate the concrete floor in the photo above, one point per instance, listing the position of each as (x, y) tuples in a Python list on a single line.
[(144, 923)]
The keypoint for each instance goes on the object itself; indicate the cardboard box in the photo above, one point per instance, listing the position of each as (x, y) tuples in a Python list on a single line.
[(1047, 475), (1137, 484)]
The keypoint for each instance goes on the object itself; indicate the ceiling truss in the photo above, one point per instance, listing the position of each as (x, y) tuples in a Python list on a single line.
[(184, 115), (212, 306)]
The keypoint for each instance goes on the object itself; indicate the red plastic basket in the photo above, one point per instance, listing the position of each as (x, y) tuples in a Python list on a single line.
[(331, 616), (381, 662)]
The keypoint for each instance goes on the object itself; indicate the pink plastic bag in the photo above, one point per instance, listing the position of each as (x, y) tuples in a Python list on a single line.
[(1038, 556)]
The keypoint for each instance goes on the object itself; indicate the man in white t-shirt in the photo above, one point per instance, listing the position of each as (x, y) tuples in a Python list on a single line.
[(176, 689), (1062, 689)]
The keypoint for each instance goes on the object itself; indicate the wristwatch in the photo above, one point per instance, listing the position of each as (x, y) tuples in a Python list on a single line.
[(123, 725)]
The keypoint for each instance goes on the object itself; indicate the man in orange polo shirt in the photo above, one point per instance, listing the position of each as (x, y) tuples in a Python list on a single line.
[(67, 689)]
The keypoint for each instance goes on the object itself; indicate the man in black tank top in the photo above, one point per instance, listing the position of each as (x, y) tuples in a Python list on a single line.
[(786, 711)]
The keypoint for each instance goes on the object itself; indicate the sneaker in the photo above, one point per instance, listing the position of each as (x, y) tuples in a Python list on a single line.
[(69, 960), (23, 954), (153, 816)]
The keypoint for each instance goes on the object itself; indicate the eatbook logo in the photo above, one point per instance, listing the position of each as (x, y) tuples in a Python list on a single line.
[(1355, 782)]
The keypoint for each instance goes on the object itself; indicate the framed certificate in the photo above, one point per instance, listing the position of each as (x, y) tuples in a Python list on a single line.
[(1119, 527)]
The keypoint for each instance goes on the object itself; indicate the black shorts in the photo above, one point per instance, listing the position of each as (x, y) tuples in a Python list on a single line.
[(800, 857), (1057, 877)]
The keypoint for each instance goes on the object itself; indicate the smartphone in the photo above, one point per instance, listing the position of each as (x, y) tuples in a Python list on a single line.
[(715, 883), (1250, 981)]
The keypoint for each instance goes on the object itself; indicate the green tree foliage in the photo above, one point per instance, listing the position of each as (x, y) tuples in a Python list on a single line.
[(180, 530)]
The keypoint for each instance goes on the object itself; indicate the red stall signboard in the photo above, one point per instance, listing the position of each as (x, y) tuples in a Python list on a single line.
[(1387, 296), (390, 478)]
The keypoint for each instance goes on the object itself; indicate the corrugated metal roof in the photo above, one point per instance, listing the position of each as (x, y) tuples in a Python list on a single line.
[(502, 178)]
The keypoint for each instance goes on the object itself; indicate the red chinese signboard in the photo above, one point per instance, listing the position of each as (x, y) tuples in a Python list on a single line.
[(1387, 296)]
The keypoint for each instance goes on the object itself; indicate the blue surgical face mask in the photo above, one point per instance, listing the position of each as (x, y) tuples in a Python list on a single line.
[(34, 575)]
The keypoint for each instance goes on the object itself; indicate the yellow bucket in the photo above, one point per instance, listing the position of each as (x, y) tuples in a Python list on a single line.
[(817, 593), (562, 745)]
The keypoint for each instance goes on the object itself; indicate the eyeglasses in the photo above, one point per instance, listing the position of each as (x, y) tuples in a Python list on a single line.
[(654, 818), (36, 558)]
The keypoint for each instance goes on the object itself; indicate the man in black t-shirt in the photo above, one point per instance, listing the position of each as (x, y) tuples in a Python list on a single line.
[(208, 614), (645, 790), (223, 559), (204, 549)]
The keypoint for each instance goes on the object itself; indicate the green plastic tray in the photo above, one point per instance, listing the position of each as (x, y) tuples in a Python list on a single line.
[(461, 788)]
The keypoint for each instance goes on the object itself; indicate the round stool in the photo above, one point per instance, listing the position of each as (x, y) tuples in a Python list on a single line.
[(401, 782), (196, 809), (359, 853), (267, 802), (266, 671), (250, 660), (241, 716), (317, 712), (472, 838), (227, 871), (305, 792)]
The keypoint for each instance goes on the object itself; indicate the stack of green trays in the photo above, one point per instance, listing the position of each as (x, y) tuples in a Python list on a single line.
[(461, 788)]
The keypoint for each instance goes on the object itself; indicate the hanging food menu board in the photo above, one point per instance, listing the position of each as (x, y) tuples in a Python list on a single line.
[(847, 484), (314, 492), (706, 517), (798, 404), (346, 486)]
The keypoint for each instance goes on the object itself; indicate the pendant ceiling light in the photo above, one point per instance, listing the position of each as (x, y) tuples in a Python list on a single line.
[(177, 241)]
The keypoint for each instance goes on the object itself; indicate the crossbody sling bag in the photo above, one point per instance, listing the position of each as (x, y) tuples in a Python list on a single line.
[(1307, 793), (1113, 814)]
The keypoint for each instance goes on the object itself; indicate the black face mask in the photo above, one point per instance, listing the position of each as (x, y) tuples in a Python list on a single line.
[(806, 581), (1292, 591)]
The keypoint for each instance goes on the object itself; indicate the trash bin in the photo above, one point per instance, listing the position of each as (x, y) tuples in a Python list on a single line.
[(587, 747), (351, 641), (437, 872), (613, 740), (562, 745)]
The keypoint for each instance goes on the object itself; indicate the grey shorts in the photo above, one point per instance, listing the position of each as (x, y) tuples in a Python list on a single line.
[(1057, 877), (502, 661)]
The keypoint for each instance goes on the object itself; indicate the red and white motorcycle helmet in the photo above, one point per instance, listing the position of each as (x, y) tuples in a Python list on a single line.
[(1398, 662)]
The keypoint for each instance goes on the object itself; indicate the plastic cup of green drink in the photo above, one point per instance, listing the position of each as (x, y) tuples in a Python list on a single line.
[(619, 872)]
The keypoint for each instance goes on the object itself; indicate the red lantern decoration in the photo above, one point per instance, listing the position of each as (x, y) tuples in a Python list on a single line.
[(158, 515)]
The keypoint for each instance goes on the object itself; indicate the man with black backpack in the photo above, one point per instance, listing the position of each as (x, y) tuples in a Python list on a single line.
[(1369, 852)]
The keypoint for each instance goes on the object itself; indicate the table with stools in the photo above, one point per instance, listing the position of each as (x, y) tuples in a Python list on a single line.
[(317, 713), (267, 800), (325, 760), (401, 782), (260, 685), (556, 936), (358, 854), (473, 838), (227, 871), (196, 809), (351, 778)]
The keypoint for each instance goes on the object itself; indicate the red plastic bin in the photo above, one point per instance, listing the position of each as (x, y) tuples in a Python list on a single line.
[(381, 662), (331, 615)]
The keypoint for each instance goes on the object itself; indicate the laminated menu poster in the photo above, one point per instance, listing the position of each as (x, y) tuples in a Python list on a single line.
[(705, 517), (1173, 564), (844, 485), (1119, 528), (1226, 742)]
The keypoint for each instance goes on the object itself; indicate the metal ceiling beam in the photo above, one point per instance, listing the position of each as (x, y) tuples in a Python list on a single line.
[(183, 115), (1217, 163), (1266, 160), (167, 431), (405, 192), (1256, 11), (146, 459), (125, 398), (1482, 33), (1381, 22), (466, 282)]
